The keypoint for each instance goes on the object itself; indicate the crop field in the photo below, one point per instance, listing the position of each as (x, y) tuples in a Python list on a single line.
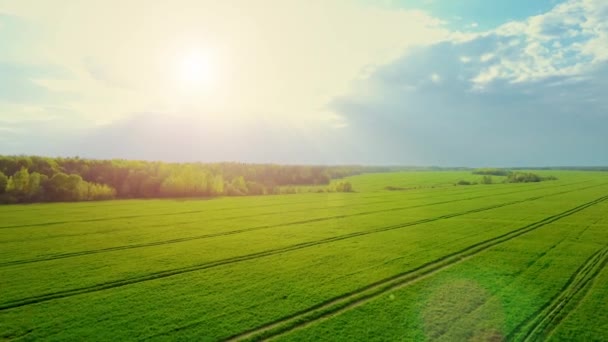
[(425, 260)]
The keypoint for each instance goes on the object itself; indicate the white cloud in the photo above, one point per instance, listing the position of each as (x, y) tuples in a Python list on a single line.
[(384, 94), (485, 77), (532, 123), (570, 38), (533, 96), (465, 59), (486, 57)]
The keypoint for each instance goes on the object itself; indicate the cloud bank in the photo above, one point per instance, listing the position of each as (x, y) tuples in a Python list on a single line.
[(526, 93), (401, 89)]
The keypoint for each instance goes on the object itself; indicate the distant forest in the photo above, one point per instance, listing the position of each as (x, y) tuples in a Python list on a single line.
[(26, 179)]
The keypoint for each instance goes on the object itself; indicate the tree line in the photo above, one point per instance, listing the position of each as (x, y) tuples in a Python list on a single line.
[(527, 177), (509, 176), (491, 172), (26, 179)]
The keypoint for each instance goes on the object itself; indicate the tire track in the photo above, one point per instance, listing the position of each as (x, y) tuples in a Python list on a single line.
[(52, 223), (180, 223), (544, 320), (252, 256), (512, 280), (244, 230), (267, 214), (350, 300), (226, 218)]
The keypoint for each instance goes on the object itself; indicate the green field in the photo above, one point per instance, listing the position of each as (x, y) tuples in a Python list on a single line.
[(432, 261)]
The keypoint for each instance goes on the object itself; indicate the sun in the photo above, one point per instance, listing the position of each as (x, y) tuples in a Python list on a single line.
[(196, 71)]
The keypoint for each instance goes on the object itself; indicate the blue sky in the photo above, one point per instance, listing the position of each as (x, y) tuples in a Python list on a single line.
[(416, 82), (486, 14)]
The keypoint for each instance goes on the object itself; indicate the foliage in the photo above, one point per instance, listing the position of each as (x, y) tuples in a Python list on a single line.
[(395, 188), (465, 182), (526, 177), (342, 186), (511, 176), (491, 172), (3, 182), (487, 179), (35, 179)]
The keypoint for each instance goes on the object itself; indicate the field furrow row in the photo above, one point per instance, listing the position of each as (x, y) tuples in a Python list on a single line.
[(250, 229), (547, 318), (207, 265), (348, 301), (493, 192)]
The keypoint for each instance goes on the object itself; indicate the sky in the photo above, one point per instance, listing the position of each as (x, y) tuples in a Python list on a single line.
[(392, 82)]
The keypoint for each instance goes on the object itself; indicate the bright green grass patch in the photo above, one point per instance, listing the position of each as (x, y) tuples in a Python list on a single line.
[(27, 280), (589, 320), (484, 298), (84, 236), (208, 269)]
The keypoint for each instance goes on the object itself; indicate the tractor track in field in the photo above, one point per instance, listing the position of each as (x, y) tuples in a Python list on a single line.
[(271, 213), (519, 272), (514, 278), (100, 219), (187, 222), (198, 199), (546, 318), (120, 202), (226, 218), (241, 216), (173, 213), (243, 230), (227, 261), (252, 256), (350, 300)]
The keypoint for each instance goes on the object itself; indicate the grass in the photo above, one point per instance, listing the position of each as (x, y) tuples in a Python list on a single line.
[(435, 261), (488, 295)]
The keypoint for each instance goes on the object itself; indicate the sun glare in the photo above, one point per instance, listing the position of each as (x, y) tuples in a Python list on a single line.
[(196, 71)]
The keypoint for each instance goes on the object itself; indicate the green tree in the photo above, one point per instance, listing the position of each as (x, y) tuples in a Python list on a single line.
[(99, 192), (34, 188), (239, 186), (70, 179), (216, 185), (77, 188), (487, 179), (62, 187), (254, 188), (18, 182), (344, 187), (57, 187), (3, 182)]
